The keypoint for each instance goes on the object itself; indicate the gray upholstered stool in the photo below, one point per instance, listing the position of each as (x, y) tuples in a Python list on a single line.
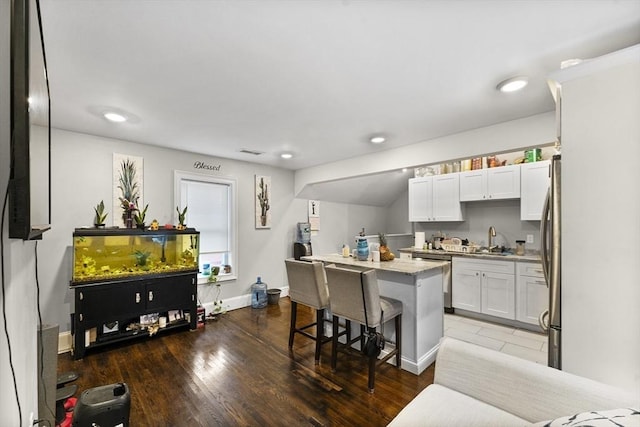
[(308, 286), (355, 297)]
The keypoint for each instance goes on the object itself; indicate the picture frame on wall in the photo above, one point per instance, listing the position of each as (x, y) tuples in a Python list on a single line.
[(263, 201)]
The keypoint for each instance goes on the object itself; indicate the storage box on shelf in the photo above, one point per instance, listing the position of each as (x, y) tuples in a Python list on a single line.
[(125, 279)]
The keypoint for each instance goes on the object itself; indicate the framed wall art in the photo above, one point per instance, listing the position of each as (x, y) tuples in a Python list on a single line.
[(263, 201)]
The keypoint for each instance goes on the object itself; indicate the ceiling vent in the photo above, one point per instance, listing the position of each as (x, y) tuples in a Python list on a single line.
[(255, 153)]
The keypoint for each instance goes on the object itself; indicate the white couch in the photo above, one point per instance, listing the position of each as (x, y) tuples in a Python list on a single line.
[(475, 386)]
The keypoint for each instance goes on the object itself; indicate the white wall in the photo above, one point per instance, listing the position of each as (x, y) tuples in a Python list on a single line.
[(19, 301), (81, 177), (504, 215), (601, 224), (504, 137)]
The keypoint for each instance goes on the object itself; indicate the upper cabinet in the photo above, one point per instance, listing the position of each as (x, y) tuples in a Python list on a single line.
[(534, 186), (435, 198), (490, 184)]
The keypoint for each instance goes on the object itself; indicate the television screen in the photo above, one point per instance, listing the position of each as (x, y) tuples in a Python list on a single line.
[(29, 183)]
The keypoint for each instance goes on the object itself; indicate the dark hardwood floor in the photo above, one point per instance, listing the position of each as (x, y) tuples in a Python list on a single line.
[(238, 370)]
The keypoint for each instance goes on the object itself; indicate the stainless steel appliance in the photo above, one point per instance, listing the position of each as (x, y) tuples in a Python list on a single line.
[(550, 233), (302, 245)]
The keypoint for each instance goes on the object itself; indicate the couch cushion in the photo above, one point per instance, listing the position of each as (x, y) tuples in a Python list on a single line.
[(526, 389), (623, 417), (439, 406)]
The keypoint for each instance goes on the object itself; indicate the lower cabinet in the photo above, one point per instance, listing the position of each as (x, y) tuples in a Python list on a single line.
[(484, 286), (532, 294), (108, 312)]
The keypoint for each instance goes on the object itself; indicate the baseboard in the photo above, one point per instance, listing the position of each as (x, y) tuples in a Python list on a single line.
[(65, 339)]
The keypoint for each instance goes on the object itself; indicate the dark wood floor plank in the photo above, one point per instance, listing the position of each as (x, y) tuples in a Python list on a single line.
[(238, 370)]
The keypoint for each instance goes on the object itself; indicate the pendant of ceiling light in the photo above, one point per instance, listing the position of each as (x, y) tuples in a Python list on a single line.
[(513, 84)]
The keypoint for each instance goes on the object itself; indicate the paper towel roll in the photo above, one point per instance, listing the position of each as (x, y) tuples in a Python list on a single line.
[(419, 240)]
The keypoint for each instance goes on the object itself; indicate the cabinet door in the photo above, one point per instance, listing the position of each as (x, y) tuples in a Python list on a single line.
[(498, 295), (532, 298), (421, 199), (533, 188), (503, 182), (466, 289), (473, 185), (170, 293), (446, 198), (105, 303)]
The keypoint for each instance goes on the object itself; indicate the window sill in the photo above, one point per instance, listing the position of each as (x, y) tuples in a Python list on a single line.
[(203, 280)]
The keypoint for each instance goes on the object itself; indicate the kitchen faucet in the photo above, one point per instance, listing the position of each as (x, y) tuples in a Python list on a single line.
[(492, 233)]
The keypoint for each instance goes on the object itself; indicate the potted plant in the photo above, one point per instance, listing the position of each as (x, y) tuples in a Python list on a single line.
[(139, 217), (181, 218), (130, 192), (98, 221), (218, 308)]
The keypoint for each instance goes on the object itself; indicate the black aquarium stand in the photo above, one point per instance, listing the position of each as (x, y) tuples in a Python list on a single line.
[(126, 280)]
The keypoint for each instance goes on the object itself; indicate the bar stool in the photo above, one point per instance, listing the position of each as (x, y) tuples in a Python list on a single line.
[(355, 297), (308, 286)]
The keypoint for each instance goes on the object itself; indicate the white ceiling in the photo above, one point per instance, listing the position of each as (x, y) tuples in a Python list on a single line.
[(312, 77)]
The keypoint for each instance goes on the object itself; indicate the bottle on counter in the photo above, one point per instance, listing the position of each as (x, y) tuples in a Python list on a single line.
[(346, 251)]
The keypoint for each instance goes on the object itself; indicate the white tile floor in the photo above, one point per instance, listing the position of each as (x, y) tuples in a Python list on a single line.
[(517, 342)]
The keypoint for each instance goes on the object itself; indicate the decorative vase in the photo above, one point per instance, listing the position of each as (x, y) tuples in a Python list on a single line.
[(362, 249), (127, 216)]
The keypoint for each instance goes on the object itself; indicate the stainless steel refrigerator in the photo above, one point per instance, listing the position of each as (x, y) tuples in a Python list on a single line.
[(550, 238)]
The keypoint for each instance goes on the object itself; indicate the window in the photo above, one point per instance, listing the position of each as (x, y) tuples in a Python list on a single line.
[(211, 203)]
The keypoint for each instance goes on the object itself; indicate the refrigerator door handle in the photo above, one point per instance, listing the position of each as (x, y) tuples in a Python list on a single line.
[(543, 320), (544, 237)]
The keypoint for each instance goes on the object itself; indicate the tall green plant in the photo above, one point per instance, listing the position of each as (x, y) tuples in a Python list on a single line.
[(128, 185)]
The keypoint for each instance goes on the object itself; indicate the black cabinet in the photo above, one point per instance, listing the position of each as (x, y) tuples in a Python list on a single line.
[(107, 312)]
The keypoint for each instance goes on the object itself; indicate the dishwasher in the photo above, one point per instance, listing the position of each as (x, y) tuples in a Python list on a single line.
[(436, 255)]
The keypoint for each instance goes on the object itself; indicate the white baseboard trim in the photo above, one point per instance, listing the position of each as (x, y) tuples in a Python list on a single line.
[(65, 338)]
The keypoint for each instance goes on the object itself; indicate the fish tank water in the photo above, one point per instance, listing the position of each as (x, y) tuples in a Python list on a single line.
[(113, 254)]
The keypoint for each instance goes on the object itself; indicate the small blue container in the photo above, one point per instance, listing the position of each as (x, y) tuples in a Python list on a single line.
[(259, 294), (362, 249)]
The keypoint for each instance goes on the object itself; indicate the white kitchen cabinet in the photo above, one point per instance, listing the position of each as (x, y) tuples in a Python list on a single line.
[(435, 198), (484, 286), (534, 183), (490, 184), (532, 294)]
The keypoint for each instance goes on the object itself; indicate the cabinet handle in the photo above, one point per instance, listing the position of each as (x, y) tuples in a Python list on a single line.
[(137, 297), (484, 197), (81, 296), (193, 297), (477, 274), (150, 295), (81, 318)]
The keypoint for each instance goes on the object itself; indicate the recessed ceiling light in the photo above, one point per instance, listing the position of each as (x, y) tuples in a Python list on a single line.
[(404, 170), (114, 117), (286, 155), (513, 84), (377, 139)]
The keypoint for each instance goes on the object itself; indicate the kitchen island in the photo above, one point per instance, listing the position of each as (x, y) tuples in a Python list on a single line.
[(418, 284)]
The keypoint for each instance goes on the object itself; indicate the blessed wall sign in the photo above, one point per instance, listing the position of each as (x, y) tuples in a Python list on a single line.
[(202, 165)]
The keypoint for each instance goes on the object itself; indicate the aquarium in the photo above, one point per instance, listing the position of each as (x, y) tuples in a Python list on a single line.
[(111, 254)]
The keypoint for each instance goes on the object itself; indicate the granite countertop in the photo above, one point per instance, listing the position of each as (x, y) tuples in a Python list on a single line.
[(527, 257), (406, 266)]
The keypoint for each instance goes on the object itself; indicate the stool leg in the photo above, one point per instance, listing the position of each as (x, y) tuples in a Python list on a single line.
[(334, 344), (372, 368), (292, 326), (399, 340), (319, 332)]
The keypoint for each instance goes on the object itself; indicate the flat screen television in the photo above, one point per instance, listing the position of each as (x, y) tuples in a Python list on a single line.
[(30, 169)]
